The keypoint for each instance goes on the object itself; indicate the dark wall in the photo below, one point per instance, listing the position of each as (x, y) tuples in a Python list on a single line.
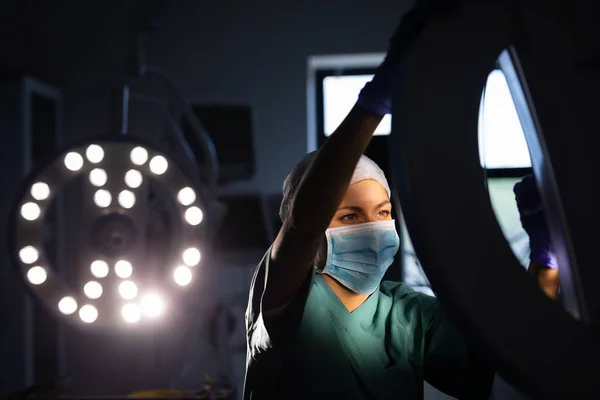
[(240, 52), (45, 38)]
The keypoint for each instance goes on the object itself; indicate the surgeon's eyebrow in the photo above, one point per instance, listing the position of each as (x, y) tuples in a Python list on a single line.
[(383, 203), (351, 208), (358, 209)]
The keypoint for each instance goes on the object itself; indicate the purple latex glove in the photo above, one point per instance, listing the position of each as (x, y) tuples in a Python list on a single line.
[(533, 219), (376, 96)]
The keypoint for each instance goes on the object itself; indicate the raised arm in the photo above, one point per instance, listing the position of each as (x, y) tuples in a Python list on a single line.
[(317, 198)]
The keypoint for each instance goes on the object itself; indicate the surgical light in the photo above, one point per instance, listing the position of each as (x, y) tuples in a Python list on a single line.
[(186, 196), (123, 269), (182, 275), (92, 290), (152, 305), (133, 178), (99, 268), (131, 313), (139, 155), (30, 211), (191, 257), (158, 165), (194, 216), (67, 305), (128, 290), (118, 177), (73, 161), (126, 199), (102, 198), (94, 153), (37, 275), (40, 191), (28, 255), (98, 177), (88, 313)]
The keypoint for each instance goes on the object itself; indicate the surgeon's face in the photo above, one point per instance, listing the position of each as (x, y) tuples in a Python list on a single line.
[(365, 201)]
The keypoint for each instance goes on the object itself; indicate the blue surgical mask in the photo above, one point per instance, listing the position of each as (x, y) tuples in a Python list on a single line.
[(359, 255)]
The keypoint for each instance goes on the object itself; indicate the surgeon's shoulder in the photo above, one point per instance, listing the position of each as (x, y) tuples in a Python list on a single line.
[(395, 290), (257, 283), (410, 305), (267, 325), (253, 310), (400, 291)]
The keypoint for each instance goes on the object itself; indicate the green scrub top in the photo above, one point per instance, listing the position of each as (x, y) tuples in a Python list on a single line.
[(315, 348)]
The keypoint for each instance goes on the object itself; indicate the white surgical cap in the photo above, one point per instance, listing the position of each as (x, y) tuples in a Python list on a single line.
[(367, 169)]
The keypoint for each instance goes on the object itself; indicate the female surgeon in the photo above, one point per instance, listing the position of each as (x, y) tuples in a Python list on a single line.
[(320, 323)]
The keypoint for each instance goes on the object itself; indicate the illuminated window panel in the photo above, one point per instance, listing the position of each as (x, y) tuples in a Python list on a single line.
[(339, 96)]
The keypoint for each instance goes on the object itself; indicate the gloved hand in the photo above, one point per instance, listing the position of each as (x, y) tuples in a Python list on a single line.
[(533, 219), (376, 96)]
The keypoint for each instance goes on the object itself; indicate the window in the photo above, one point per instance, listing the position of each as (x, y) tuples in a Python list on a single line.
[(502, 144), (504, 154), (339, 95), (332, 85)]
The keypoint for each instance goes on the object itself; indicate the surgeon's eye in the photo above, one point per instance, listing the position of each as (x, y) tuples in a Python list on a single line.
[(384, 214), (349, 218)]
